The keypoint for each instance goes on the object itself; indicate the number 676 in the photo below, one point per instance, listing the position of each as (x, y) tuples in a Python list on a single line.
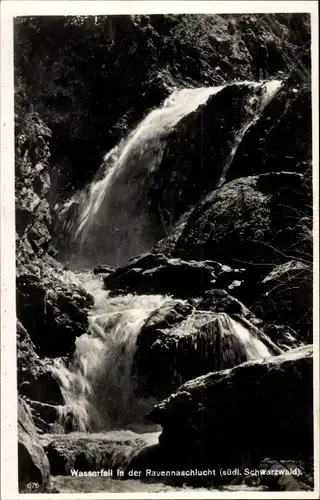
[(32, 486)]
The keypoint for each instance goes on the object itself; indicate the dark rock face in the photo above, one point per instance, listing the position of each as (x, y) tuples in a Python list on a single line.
[(259, 409), (248, 220), (33, 185), (33, 463), (35, 377), (155, 273), (281, 139), (90, 452), (287, 293), (53, 314), (46, 416), (284, 336)]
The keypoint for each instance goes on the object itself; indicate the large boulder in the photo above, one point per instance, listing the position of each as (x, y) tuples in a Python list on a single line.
[(33, 465), (155, 273), (238, 417), (53, 313), (252, 220), (178, 343)]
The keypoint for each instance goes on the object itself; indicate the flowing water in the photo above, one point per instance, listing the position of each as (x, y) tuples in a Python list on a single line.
[(97, 385), (254, 108), (109, 220)]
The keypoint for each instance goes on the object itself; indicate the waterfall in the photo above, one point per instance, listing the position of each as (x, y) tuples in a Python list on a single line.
[(111, 215), (97, 384), (110, 219), (254, 108)]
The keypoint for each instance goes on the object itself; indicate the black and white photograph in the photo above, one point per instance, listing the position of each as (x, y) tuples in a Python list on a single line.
[(164, 223)]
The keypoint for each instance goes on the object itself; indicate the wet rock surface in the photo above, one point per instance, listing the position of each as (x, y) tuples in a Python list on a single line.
[(281, 139), (33, 185), (174, 347), (258, 409)]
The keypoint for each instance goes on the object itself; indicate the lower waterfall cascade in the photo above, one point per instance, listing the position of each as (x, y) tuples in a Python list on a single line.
[(98, 387)]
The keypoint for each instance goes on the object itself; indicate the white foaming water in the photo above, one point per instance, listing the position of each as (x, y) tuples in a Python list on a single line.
[(110, 218), (97, 386), (254, 108), (111, 215), (254, 348)]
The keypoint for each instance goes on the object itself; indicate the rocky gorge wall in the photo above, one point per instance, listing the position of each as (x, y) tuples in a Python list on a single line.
[(244, 249)]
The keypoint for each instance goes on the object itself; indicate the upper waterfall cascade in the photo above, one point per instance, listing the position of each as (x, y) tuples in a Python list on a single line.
[(110, 219)]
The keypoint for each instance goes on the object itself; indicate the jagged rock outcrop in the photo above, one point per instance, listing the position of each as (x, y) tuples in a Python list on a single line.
[(33, 465), (239, 416), (220, 301), (53, 313), (37, 383), (92, 452)]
